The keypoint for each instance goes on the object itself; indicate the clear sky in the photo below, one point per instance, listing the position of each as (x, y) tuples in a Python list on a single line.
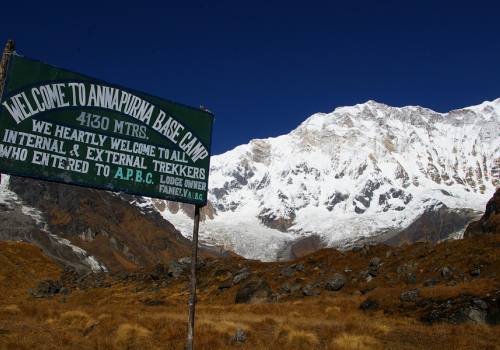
[(264, 67)]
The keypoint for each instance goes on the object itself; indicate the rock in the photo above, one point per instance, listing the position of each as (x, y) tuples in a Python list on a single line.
[(299, 267), (335, 283), (153, 302), (64, 291), (243, 270), (240, 336), (295, 287), (122, 276), (49, 287), (480, 303), (364, 274), (240, 277), (164, 284), (463, 308), (289, 271), (476, 315), (369, 305), (46, 289), (475, 272), (100, 283), (160, 272), (410, 295), (95, 280), (375, 262), (285, 288), (253, 292), (226, 284), (185, 260), (411, 278), (388, 254), (181, 266), (446, 273), (367, 290), (431, 282), (406, 268), (373, 271), (374, 266), (308, 291), (176, 269)]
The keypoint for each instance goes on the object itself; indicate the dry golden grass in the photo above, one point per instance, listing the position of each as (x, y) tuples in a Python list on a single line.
[(129, 336), (115, 318), (286, 326), (355, 342)]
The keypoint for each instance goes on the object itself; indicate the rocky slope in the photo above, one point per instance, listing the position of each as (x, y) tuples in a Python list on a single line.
[(364, 173), (489, 222), (417, 296), (87, 229)]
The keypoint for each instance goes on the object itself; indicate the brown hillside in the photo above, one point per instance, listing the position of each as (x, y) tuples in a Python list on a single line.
[(104, 224), (280, 305)]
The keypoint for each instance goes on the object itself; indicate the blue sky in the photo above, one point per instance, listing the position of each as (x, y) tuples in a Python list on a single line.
[(263, 67)]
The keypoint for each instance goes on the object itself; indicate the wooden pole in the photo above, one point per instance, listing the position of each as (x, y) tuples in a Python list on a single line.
[(4, 63), (7, 51), (192, 291)]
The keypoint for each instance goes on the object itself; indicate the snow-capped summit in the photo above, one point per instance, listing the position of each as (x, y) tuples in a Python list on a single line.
[(364, 171)]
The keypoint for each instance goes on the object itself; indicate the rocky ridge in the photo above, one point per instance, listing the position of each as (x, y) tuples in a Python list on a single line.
[(86, 229)]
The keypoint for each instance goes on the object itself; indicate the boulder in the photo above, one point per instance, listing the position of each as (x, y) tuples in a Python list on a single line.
[(309, 291), (374, 266), (295, 287), (289, 271), (153, 302), (431, 282), (410, 295), (375, 261), (475, 314), (253, 292), (475, 272), (335, 283), (240, 277), (369, 305), (411, 278), (177, 269), (446, 273), (240, 336), (46, 289), (160, 272)]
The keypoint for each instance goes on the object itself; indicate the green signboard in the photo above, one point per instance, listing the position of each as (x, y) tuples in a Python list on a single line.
[(62, 126)]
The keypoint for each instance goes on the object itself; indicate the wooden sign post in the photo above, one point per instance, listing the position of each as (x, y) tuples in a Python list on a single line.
[(10, 46), (192, 290)]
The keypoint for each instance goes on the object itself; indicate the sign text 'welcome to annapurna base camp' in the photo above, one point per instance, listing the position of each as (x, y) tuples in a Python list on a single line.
[(62, 126)]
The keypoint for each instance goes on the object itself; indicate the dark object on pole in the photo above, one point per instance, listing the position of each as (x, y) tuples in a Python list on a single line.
[(192, 291), (10, 46)]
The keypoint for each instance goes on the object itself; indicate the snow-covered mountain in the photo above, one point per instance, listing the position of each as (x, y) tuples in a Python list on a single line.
[(369, 171)]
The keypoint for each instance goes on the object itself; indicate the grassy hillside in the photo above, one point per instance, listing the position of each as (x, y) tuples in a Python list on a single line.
[(147, 309)]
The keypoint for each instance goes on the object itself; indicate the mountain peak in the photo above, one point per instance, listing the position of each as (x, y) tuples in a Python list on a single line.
[(362, 172)]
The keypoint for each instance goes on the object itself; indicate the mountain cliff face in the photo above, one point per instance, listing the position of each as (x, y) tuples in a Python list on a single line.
[(369, 172), (489, 222)]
